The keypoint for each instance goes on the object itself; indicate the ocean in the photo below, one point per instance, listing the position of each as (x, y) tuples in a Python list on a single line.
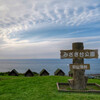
[(36, 65)]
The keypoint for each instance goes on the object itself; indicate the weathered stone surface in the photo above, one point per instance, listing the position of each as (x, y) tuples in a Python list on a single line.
[(77, 46), (79, 81)]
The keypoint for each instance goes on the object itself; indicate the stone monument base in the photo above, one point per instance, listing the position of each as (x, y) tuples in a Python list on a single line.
[(91, 88), (79, 81)]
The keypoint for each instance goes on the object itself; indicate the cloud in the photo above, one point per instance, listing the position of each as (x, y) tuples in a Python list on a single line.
[(45, 49), (44, 18), (21, 15)]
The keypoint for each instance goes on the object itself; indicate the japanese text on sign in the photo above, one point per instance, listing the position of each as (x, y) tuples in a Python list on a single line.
[(81, 66), (79, 54)]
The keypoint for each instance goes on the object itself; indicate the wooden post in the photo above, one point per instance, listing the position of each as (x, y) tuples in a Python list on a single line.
[(79, 81)]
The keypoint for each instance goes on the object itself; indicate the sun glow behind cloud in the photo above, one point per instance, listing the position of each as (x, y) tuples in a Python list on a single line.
[(40, 28)]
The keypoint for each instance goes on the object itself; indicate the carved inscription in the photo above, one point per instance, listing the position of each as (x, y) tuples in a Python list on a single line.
[(79, 54), (81, 66)]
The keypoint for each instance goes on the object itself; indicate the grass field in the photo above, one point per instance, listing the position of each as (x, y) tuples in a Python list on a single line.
[(39, 88)]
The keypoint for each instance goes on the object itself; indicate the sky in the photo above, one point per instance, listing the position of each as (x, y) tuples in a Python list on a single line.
[(36, 29)]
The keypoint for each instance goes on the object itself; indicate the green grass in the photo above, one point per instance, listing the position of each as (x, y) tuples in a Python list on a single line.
[(39, 88)]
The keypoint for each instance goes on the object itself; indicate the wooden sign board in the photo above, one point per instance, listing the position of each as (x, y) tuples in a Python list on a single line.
[(79, 54), (80, 66)]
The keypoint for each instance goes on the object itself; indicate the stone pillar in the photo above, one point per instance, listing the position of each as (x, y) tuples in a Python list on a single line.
[(79, 81)]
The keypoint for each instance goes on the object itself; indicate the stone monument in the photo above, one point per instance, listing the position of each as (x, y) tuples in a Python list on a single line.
[(78, 53)]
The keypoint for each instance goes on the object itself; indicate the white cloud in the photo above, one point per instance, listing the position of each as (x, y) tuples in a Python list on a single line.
[(21, 15), (46, 49)]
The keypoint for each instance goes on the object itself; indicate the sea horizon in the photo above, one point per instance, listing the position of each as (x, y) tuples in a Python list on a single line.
[(51, 65)]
